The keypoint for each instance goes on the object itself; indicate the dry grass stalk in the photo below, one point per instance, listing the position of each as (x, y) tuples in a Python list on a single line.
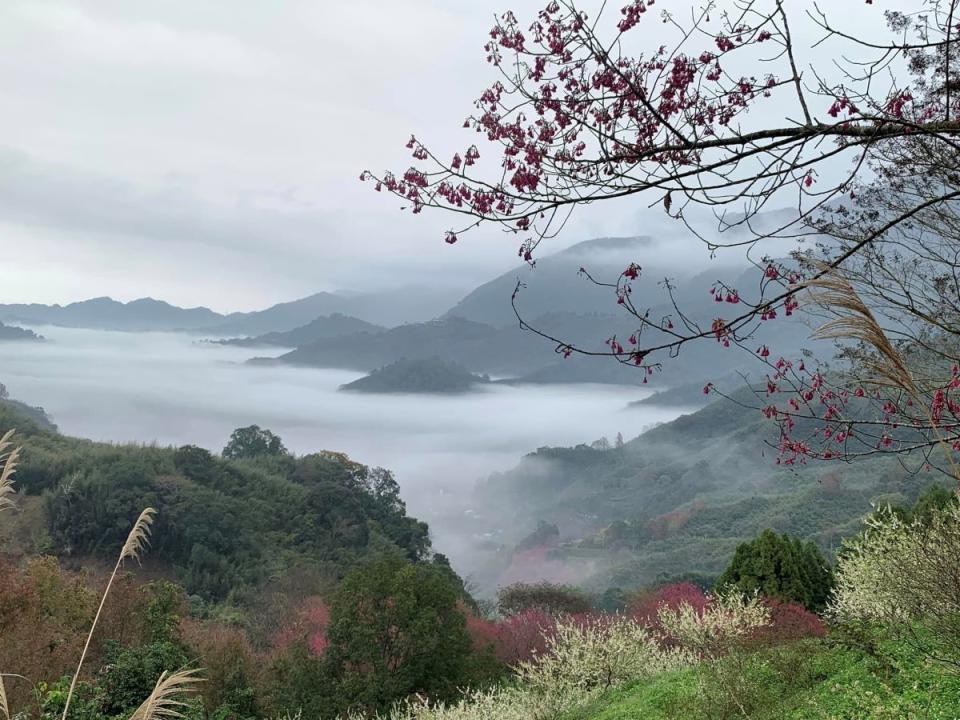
[(856, 321), (4, 707), (163, 702), (8, 466), (137, 542)]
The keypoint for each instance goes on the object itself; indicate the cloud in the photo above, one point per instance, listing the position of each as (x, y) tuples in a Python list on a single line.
[(139, 43), (230, 136)]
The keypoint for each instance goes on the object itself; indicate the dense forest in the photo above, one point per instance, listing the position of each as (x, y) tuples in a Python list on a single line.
[(226, 525)]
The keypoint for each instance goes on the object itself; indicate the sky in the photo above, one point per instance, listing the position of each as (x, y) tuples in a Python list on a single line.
[(208, 153)]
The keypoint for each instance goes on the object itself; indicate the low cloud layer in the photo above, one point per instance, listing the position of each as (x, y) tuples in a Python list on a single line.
[(209, 153), (156, 387)]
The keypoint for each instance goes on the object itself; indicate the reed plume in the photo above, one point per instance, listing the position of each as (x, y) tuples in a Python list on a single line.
[(856, 321), (4, 707), (163, 702), (137, 541), (8, 466)]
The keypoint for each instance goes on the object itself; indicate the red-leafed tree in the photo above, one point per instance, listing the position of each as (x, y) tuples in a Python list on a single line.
[(858, 134)]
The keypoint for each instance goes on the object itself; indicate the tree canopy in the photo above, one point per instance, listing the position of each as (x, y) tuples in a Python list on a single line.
[(780, 567), (397, 629), (252, 442)]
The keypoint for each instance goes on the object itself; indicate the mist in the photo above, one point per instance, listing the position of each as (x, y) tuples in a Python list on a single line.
[(167, 388)]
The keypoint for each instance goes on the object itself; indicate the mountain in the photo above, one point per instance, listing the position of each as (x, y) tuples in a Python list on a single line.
[(322, 328), (675, 501), (380, 308), (480, 348), (387, 307), (10, 332), (280, 318), (554, 284), (429, 375), (482, 333), (107, 314), (455, 339)]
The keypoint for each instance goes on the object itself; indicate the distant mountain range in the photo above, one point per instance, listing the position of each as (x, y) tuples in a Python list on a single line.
[(322, 328), (481, 331), (146, 314), (107, 314), (483, 334)]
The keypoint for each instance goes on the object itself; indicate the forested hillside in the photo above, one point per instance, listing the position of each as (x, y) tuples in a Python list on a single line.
[(12, 332), (428, 375), (225, 527), (673, 502)]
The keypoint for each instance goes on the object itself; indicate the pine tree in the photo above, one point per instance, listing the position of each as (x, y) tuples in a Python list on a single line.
[(780, 567)]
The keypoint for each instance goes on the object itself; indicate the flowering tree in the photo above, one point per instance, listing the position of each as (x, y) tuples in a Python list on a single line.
[(580, 115), (905, 575)]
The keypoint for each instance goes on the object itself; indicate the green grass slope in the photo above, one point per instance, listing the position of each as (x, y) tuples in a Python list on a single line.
[(809, 680)]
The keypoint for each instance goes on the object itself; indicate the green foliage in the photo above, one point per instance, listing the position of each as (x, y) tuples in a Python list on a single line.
[(225, 526), (396, 629), (781, 567), (85, 705), (252, 442), (129, 674), (164, 610), (299, 682), (933, 501), (613, 599)]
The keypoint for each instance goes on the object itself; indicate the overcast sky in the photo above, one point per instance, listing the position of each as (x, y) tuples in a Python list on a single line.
[(208, 152)]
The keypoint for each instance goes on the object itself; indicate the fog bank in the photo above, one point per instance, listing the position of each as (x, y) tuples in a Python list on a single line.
[(166, 388)]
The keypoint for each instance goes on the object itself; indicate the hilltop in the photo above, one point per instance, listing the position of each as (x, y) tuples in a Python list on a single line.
[(226, 527), (429, 375), (10, 332)]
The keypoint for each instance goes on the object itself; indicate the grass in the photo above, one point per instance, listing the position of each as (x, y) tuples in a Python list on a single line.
[(810, 680)]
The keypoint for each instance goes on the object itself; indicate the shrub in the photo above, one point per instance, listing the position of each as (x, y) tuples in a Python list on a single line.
[(905, 575), (790, 622), (596, 654), (710, 631), (544, 597), (647, 607), (582, 659), (308, 624), (516, 639), (230, 666)]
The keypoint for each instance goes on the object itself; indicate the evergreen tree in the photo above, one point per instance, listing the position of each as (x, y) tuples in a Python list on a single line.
[(780, 567)]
